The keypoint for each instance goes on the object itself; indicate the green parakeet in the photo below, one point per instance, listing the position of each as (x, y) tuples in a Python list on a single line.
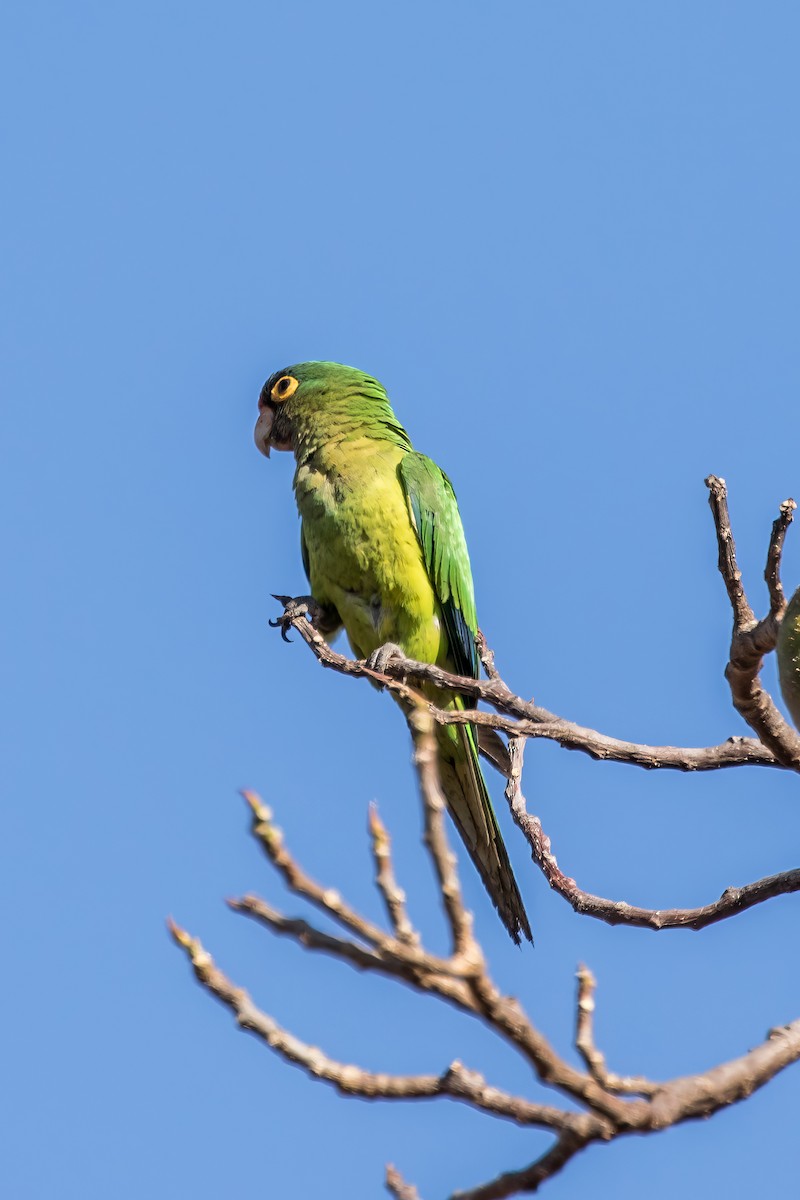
[(789, 657), (385, 555)]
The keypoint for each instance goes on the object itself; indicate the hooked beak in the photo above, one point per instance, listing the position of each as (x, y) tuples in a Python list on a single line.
[(263, 429)]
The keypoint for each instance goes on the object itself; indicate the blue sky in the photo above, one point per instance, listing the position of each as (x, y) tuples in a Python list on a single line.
[(565, 237)]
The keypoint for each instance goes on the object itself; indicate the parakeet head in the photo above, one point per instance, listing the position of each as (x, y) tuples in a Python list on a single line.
[(311, 402)]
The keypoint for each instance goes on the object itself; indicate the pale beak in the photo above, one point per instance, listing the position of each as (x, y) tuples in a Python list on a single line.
[(263, 429)]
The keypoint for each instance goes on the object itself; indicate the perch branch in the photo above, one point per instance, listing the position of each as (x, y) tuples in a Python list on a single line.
[(535, 721)]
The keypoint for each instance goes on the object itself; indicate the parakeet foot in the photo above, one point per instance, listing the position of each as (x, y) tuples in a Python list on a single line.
[(380, 658), (293, 607)]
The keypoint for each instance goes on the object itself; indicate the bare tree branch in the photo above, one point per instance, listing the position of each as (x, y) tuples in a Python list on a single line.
[(743, 615), (594, 1059), (456, 1082), (640, 1105), (423, 971), (307, 935), (394, 897), (461, 979), (599, 1105), (487, 657), (444, 861), (772, 571), (533, 720), (529, 1179), (397, 1186), (752, 639), (696, 1096), (326, 899), (347, 1079), (618, 912), (735, 752)]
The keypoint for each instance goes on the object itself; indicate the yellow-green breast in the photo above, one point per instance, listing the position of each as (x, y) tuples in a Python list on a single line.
[(364, 556)]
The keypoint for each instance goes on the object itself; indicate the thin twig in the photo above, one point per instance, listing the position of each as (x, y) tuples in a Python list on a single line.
[(397, 1186), (529, 1179), (413, 965), (270, 838), (347, 1079), (385, 952), (743, 615), (772, 571), (487, 657), (307, 935), (394, 897), (594, 1058)]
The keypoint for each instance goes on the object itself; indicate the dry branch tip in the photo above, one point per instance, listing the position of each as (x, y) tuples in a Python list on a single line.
[(256, 805), (397, 1186)]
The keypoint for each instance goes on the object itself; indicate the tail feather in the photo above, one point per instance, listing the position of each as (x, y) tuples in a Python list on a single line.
[(471, 809)]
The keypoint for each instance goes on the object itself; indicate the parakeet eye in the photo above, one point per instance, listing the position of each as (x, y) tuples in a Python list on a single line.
[(285, 387)]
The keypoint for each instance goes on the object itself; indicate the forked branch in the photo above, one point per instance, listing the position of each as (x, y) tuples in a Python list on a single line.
[(752, 639), (601, 1105)]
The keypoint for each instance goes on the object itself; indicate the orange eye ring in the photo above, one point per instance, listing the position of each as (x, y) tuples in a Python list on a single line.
[(283, 388)]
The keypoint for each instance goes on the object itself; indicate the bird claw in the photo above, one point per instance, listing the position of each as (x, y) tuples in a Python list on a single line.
[(379, 660), (294, 607)]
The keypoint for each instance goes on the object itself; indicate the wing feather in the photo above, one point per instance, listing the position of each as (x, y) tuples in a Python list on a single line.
[(434, 514)]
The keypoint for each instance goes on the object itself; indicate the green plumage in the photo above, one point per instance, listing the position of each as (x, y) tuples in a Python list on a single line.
[(789, 657), (385, 554)]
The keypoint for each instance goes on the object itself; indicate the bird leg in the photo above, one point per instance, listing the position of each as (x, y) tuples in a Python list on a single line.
[(380, 658), (300, 606)]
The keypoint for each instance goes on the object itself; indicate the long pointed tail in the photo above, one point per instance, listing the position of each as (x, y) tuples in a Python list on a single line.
[(471, 809)]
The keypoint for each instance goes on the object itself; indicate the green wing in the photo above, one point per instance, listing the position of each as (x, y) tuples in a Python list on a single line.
[(435, 516)]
